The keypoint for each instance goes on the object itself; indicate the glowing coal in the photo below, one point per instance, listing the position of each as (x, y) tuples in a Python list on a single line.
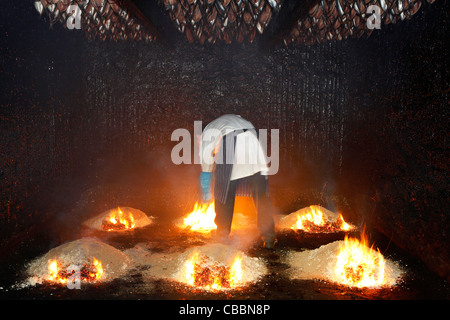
[(201, 271), (217, 267), (86, 273)]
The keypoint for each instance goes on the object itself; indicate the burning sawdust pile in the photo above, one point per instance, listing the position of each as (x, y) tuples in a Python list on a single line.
[(349, 262), (93, 260), (314, 219), (210, 267), (119, 219)]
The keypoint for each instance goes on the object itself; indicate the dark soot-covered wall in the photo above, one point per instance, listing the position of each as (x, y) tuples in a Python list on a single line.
[(361, 120)]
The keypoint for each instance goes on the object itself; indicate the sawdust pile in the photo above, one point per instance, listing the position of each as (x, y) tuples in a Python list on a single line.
[(79, 253), (140, 218), (319, 264), (286, 222), (170, 265)]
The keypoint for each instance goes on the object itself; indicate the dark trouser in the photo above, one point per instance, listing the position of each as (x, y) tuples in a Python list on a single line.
[(263, 205)]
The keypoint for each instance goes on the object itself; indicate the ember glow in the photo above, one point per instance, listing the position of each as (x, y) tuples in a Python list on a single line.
[(314, 220), (202, 272), (358, 265), (119, 221), (201, 218), (88, 273)]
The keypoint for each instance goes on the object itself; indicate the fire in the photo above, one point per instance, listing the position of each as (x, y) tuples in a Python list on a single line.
[(98, 274), (53, 270), (358, 265), (344, 225), (201, 218), (314, 215), (87, 273), (118, 221), (200, 271), (315, 221), (236, 271)]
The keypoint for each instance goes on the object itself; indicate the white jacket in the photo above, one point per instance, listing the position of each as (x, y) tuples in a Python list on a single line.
[(249, 156)]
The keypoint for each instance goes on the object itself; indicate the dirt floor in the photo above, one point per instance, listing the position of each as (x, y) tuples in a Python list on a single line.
[(418, 282), (163, 236)]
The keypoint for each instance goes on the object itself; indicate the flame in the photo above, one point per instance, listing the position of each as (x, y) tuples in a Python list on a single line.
[(315, 221), (201, 218), (87, 273), (344, 225), (236, 271), (358, 265), (118, 220), (98, 274), (200, 271), (190, 269), (53, 270), (314, 215)]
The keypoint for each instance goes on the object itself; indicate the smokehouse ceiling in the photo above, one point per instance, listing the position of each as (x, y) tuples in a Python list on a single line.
[(208, 21)]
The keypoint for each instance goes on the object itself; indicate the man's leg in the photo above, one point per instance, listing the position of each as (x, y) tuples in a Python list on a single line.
[(224, 212), (264, 209)]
